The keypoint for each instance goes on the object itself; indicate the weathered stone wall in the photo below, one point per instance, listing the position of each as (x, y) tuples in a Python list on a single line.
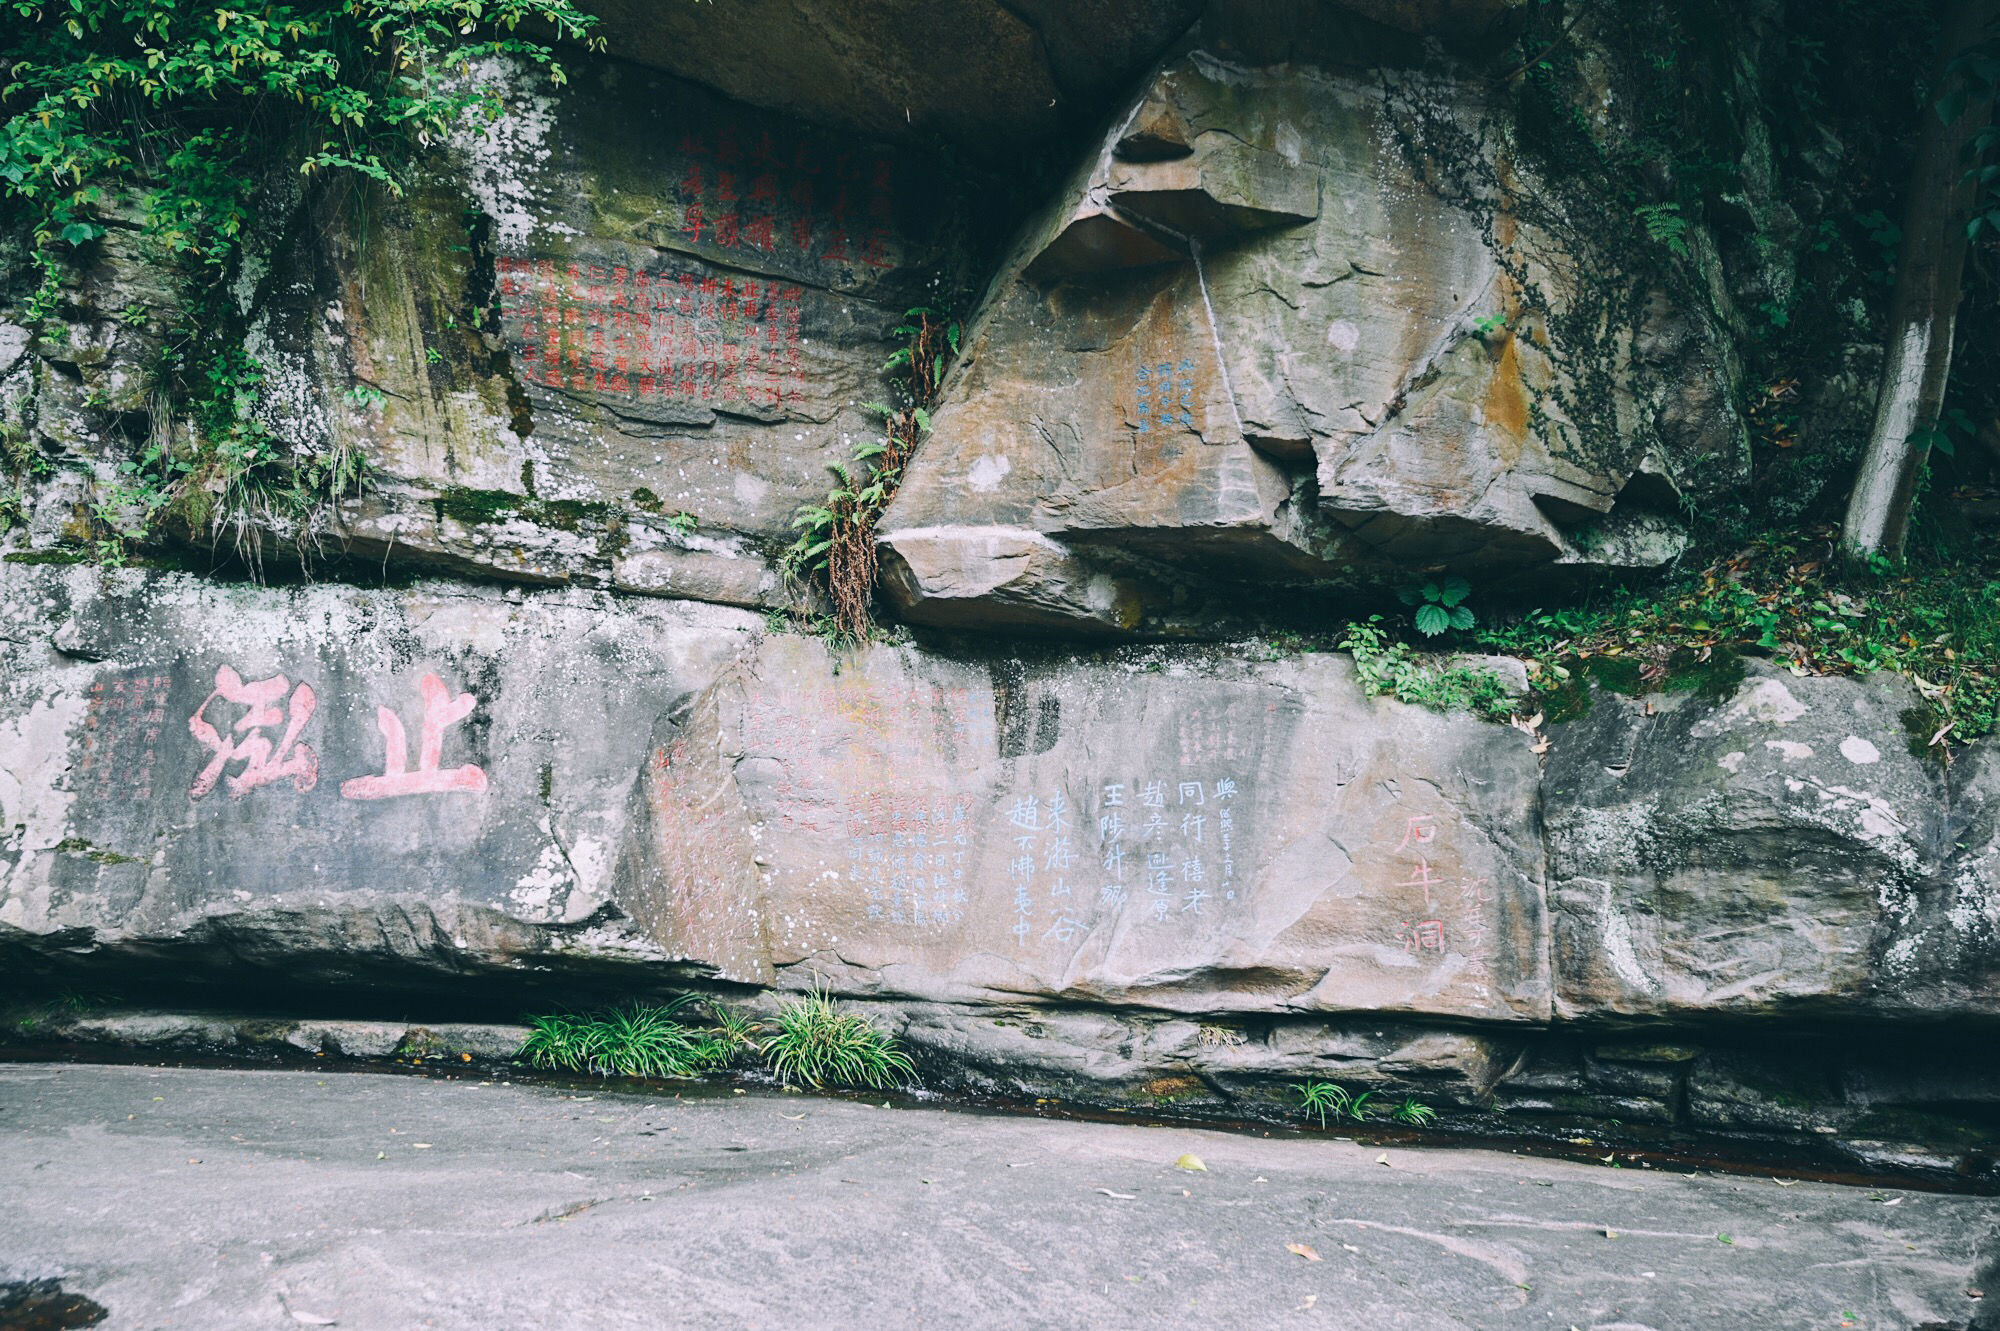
[(1076, 874)]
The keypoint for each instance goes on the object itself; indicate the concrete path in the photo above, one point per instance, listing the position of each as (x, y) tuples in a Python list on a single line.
[(213, 1200)]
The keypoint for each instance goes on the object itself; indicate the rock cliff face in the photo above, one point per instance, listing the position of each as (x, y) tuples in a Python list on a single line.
[(1067, 874), (1293, 317)]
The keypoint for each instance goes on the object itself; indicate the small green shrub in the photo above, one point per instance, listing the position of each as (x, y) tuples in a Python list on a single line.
[(635, 1040), (834, 554), (1935, 620), (1440, 605), (816, 1043), (734, 1029), (1393, 669)]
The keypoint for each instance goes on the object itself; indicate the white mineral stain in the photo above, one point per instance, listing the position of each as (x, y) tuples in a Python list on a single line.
[(1789, 750), (1618, 949), (1731, 762), (1858, 750), (987, 472), (502, 150), (1767, 701), (34, 754), (1343, 336)]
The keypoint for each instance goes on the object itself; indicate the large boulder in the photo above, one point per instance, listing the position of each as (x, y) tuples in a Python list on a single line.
[(1260, 338), (987, 74), (1779, 852)]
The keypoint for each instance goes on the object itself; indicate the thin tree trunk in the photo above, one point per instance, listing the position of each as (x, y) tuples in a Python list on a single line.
[(1925, 305)]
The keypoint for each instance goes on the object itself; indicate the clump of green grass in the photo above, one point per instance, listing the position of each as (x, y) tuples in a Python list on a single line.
[(734, 1029), (816, 1043), (1323, 1100), (1326, 1100), (632, 1040), (1414, 1112)]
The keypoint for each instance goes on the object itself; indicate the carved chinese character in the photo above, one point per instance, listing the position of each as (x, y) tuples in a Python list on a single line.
[(262, 762), (440, 710)]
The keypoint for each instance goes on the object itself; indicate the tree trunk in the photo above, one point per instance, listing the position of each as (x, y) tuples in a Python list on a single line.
[(1925, 305)]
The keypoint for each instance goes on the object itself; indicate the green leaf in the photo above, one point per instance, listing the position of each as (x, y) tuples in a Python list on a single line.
[(1461, 617), (1453, 590), (1432, 620)]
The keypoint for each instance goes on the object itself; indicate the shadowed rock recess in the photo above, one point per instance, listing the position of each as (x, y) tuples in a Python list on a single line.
[(1234, 337)]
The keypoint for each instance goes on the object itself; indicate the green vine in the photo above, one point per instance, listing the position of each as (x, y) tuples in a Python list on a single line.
[(173, 121)]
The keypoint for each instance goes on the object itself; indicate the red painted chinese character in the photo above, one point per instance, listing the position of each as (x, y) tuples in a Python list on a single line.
[(1423, 936), (691, 221), (262, 763), (1421, 877), (1420, 830), (440, 710)]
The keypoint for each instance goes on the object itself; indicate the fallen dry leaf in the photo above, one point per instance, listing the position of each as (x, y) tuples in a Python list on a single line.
[(1121, 1196), (1311, 1299), (1304, 1250), (1383, 1159), (1192, 1163), (793, 1117)]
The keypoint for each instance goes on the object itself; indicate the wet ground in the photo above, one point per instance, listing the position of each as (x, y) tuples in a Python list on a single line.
[(216, 1199)]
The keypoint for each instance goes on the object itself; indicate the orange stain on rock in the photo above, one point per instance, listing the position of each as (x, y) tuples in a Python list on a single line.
[(1506, 404)]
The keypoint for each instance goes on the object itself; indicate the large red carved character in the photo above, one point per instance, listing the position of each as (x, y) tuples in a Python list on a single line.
[(262, 763), (440, 710)]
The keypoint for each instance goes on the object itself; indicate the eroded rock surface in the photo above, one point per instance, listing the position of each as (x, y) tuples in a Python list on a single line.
[(1202, 834), (1257, 339), (1780, 851)]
